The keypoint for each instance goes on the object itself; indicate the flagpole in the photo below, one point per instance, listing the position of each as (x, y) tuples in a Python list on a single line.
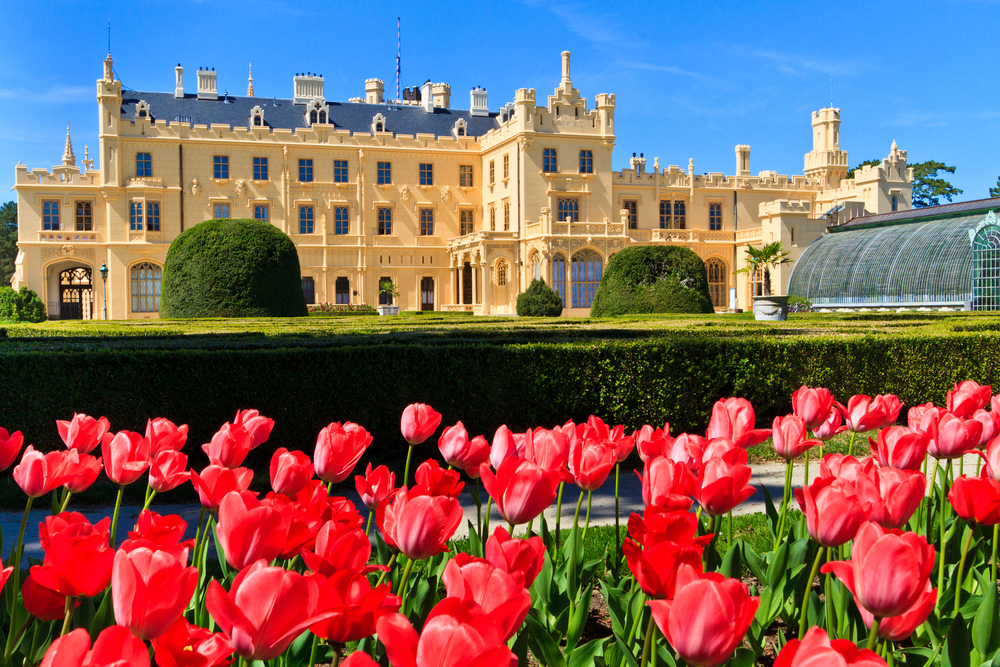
[(399, 54)]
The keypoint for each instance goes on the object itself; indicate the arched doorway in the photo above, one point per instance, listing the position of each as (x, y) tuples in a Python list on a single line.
[(76, 294), (501, 289), (467, 283), (146, 279), (342, 290), (427, 293), (986, 269), (585, 274), (717, 283)]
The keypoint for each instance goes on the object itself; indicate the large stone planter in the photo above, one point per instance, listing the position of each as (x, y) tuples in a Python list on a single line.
[(388, 310), (773, 308)]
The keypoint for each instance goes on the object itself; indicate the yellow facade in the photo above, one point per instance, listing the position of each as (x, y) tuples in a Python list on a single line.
[(474, 210)]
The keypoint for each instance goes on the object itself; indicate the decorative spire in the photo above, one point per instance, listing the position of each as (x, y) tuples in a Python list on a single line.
[(894, 145), (88, 164), (250, 81), (69, 160)]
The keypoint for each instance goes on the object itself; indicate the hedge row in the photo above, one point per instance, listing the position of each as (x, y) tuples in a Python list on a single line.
[(481, 383)]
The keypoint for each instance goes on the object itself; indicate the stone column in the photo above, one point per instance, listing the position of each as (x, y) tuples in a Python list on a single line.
[(461, 280), (486, 285)]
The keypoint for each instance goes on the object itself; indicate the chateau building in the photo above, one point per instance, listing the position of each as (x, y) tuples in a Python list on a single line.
[(461, 209)]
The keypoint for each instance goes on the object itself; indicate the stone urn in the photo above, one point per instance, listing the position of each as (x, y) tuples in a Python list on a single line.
[(771, 308), (394, 310)]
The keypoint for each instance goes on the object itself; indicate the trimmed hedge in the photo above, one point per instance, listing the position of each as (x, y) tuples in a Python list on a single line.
[(653, 279), (22, 305), (539, 300), (232, 268)]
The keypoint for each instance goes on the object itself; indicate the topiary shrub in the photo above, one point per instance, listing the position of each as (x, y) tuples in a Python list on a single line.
[(23, 305), (539, 300), (653, 279), (232, 268)]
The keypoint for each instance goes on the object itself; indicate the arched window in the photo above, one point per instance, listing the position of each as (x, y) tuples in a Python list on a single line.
[(384, 299), (536, 266), (717, 281), (221, 212), (84, 217), (679, 215), (145, 278), (502, 273), (152, 216), (559, 277), (342, 290), (313, 117), (261, 212), (586, 273), (309, 289)]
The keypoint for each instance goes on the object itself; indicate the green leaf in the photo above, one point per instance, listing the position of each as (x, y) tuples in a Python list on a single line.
[(219, 551), (731, 566), (629, 658), (583, 656), (985, 626), (104, 617), (382, 548), (772, 514), (956, 646), (475, 544), (754, 562), (744, 658), (542, 644), (776, 568), (616, 610), (578, 619)]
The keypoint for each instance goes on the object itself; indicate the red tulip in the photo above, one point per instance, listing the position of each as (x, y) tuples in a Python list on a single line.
[(186, 645), (733, 418), (707, 618), (898, 628), (164, 435), (650, 442), (551, 450), (339, 548), (168, 471), (115, 647), (258, 426), (831, 427), (595, 428), (995, 403), (265, 609), (844, 467), (457, 633), (666, 482), (812, 404), (520, 489), (82, 432), (433, 480), (521, 559), (37, 474), (723, 482), (10, 447), (354, 606), (833, 511), (151, 589), (976, 499), (891, 406), (419, 525), (126, 456), (817, 649), (952, 436), (789, 436), (967, 397), (991, 425), (216, 481), (73, 523), (915, 414), (459, 451), (887, 570), (358, 659), (229, 446), (338, 449), (498, 594), (591, 461), (863, 414), (83, 469), (658, 543), (376, 485), (290, 471), (505, 446), (419, 421), (163, 532), (894, 494), (43, 603), (250, 530), (77, 561), (715, 448), (899, 447), (992, 458)]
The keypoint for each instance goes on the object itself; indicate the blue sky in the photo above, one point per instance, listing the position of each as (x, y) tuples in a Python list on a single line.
[(691, 80)]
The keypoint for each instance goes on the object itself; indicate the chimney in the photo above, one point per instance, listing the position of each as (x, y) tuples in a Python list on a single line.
[(374, 88), (742, 160), (565, 70), (427, 97), (207, 87), (308, 87), (442, 95), (478, 106), (179, 90)]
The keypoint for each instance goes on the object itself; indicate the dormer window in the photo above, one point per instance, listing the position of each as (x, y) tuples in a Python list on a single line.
[(460, 128), (317, 112), (142, 109), (378, 123), (257, 117)]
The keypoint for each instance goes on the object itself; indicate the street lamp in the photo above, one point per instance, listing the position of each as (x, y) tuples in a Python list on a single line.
[(104, 277)]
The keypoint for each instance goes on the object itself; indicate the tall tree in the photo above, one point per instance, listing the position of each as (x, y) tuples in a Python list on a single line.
[(995, 192), (928, 188), (866, 163), (8, 241)]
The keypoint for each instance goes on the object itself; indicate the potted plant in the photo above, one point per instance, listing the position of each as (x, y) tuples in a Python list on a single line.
[(764, 258), (391, 292)]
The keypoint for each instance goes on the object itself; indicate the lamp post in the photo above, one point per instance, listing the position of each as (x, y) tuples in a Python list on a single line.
[(104, 277)]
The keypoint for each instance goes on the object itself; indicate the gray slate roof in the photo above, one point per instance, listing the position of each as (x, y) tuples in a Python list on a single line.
[(897, 217), (282, 113)]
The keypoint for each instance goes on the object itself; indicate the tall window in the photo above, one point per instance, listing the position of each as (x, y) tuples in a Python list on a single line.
[(506, 216), (135, 216), (492, 172), (146, 278), (305, 171), (340, 171), (679, 215), (465, 221), (569, 209), (586, 162), (84, 217), (715, 216), (309, 289), (586, 275), (895, 203), (152, 216), (143, 164), (493, 218), (716, 270), (665, 210), (559, 277), (536, 266), (342, 290), (261, 212), (260, 169), (465, 175), (305, 219), (632, 206), (384, 298), (426, 174), (385, 220), (220, 166), (502, 273), (427, 222), (506, 166), (340, 223), (50, 216), (549, 160), (384, 173), (221, 211)]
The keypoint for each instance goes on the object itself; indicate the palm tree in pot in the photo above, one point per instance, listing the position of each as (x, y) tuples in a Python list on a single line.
[(764, 258)]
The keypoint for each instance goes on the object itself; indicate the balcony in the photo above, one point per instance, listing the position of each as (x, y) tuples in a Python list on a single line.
[(680, 236), (144, 182)]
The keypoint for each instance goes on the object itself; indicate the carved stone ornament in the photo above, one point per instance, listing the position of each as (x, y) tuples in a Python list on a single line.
[(241, 189), (623, 214), (67, 250), (195, 188), (284, 152), (446, 194), (404, 193)]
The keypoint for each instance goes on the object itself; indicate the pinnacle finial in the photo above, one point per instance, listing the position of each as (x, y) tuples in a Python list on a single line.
[(250, 80), (893, 145), (69, 159)]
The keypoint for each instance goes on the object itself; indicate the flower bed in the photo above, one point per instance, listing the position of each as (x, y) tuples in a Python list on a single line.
[(339, 309)]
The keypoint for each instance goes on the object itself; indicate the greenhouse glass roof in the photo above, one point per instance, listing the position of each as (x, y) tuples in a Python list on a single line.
[(923, 262)]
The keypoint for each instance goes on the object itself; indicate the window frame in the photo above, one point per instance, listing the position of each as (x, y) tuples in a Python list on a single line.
[(715, 216), (493, 217), (586, 161), (550, 161), (265, 208), (493, 175), (306, 174), (152, 216), (136, 215), (84, 220), (341, 297), (465, 176), (220, 167), (506, 166), (341, 220), (310, 294), (426, 222), (340, 173), (666, 213), (383, 175), (260, 169), (506, 216), (50, 215), (568, 213), (384, 214), (632, 206), (143, 164), (426, 173), (139, 301), (680, 214), (462, 222), (307, 219)]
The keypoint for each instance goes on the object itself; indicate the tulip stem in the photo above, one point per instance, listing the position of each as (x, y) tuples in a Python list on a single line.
[(313, 651), (510, 528), (486, 520), (149, 499), (198, 536), (729, 535), (579, 504), (16, 574), (586, 525), (873, 635), (711, 545), (850, 445), (529, 531), (388, 566), (996, 535), (406, 471), (647, 643), (831, 609), (114, 518), (368, 528), (68, 619), (961, 570), (930, 510), (402, 583), (558, 520), (807, 594), (784, 504), (479, 506), (937, 604), (618, 548)]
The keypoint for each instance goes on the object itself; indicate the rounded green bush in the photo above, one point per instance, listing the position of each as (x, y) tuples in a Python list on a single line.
[(232, 268), (653, 279), (22, 305), (539, 300)]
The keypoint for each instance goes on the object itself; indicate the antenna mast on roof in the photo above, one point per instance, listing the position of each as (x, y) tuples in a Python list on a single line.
[(109, 37), (399, 54)]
